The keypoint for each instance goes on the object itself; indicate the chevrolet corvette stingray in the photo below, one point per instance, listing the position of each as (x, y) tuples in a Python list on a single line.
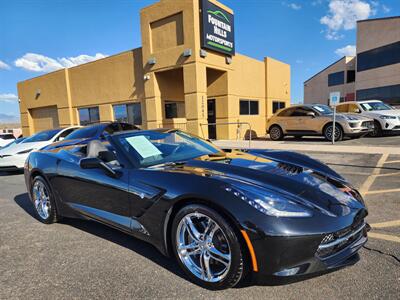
[(223, 215)]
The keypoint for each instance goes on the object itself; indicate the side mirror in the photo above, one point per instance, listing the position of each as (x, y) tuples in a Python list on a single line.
[(96, 163), (357, 111), (311, 114)]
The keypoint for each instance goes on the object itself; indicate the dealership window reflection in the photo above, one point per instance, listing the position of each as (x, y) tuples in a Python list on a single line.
[(128, 113), (277, 105), (89, 115)]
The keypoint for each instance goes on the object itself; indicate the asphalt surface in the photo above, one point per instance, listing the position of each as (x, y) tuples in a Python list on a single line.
[(83, 259)]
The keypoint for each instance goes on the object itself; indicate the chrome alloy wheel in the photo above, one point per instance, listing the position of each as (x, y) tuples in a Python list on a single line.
[(41, 199), (275, 133), (329, 130), (203, 247)]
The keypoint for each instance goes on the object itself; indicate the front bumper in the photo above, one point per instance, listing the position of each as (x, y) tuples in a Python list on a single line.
[(391, 124), (294, 256), (12, 162), (357, 128)]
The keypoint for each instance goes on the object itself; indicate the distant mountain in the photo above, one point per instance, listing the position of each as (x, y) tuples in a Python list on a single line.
[(4, 118)]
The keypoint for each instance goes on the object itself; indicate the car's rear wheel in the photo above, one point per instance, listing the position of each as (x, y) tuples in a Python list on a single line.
[(207, 248), (377, 130), (328, 131), (276, 133), (43, 200)]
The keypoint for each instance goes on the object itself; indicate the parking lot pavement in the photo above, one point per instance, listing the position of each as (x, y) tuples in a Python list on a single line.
[(83, 259)]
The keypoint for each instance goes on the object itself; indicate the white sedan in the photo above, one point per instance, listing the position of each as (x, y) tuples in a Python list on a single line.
[(6, 138), (13, 158)]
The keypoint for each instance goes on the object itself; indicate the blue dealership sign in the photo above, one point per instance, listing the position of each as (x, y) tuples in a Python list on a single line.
[(217, 28)]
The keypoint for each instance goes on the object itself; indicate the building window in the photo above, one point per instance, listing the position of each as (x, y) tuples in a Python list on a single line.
[(336, 78), (89, 115), (248, 107), (389, 94), (379, 57), (174, 109), (128, 113), (351, 76), (277, 105)]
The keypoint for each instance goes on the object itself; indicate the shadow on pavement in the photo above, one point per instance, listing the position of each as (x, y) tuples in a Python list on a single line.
[(11, 173), (147, 250)]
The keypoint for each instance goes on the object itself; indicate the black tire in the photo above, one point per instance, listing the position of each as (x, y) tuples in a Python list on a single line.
[(276, 133), (377, 132), (235, 273), (328, 129), (52, 215)]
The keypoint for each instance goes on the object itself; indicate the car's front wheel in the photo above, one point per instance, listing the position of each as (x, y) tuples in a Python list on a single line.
[(276, 133), (328, 132), (207, 248), (43, 200), (377, 132)]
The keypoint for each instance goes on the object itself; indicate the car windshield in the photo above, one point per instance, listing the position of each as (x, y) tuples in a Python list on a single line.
[(83, 133), (149, 148), (42, 136), (371, 106), (323, 109)]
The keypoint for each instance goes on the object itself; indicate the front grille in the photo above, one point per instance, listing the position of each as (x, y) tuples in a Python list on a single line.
[(334, 242), (368, 124)]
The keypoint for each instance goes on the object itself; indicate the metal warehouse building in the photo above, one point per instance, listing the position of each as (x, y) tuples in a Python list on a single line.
[(185, 75), (373, 74)]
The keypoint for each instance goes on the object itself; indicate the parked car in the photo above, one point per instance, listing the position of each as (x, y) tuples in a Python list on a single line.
[(12, 158), (222, 215), (386, 118), (316, 120), (92, 132), (14, 142), (6, 138)]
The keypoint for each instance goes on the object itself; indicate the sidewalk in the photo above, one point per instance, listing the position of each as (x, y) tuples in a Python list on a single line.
[(307, 147)]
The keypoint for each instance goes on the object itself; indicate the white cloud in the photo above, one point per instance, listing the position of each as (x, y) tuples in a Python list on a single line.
[(343, 15), (8, 97), (386, 9), (4, 66), (349, 50), (40, 63), (294, 6)]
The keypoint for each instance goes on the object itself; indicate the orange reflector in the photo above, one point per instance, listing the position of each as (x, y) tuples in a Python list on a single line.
[(251, 250)]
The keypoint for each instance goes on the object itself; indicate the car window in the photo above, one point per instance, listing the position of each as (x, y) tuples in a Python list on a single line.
[(322, 109), (42, 136), (84, 133), (375, 106), (7, 137), (65, 133), (301, 112), (148, 148), (286, 112), (343, 108), (353, 108)]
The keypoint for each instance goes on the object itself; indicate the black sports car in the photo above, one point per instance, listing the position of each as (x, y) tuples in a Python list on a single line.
[(223, 215)]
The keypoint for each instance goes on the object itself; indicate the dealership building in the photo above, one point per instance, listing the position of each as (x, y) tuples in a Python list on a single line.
[(186, 75), (374, 73)]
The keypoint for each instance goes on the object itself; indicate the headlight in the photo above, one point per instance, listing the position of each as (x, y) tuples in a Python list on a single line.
[(350, 118), (387, 117), (25, 151), (268, 202)]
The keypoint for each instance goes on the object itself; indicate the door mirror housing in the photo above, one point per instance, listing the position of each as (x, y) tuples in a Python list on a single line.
[(311, 114), (96, 163), (357, 111)]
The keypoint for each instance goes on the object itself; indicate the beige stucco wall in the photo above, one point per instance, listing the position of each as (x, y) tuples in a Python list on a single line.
[(168, 27), (316, 89), (369, 36)]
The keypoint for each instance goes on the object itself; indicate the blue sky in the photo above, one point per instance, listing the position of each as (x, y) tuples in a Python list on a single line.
[(41, 36)]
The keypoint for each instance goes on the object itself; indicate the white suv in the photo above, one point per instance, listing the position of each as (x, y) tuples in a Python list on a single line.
[(386, 118)]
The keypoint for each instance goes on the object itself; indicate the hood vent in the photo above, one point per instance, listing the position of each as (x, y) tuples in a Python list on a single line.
[(290, 169)]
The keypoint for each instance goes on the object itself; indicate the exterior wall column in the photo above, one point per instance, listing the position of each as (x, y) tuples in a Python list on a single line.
[(195, 89), (153, 104)]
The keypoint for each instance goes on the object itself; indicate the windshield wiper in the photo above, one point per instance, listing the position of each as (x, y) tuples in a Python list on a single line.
[(169, 164)]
